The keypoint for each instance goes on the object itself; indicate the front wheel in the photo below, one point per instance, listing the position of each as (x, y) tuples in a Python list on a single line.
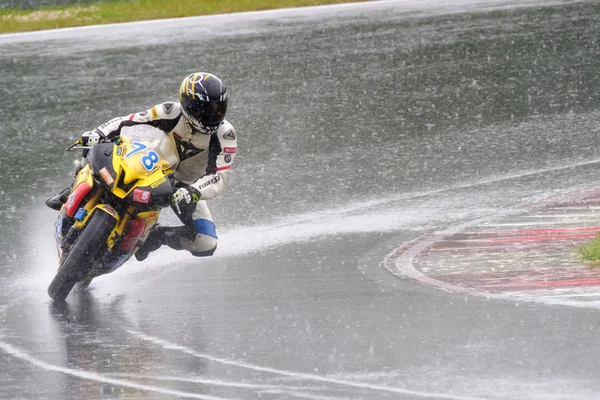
[(79, 260)]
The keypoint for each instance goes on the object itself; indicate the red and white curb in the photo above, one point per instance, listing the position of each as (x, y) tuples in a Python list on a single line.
[(518, 255)]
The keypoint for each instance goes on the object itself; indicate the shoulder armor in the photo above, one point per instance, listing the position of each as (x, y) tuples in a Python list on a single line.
[(171, 108), (226, 131), (167, 110)]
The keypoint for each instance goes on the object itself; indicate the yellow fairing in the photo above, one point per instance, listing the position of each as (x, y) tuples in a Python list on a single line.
[(131, 171), (85, 175), (130, 174), (91, 207)]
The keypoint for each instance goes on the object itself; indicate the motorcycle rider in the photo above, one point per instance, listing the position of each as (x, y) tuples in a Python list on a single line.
[(206, 145)]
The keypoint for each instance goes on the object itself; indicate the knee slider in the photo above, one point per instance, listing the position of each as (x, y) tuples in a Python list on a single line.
[(205, 242), (203, 245), (206, 253)]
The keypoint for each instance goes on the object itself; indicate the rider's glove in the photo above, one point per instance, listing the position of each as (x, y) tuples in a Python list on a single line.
[(184, 197), (91, 138)]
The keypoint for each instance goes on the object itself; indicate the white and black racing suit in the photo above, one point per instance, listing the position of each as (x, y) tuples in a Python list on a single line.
[(203, 164)]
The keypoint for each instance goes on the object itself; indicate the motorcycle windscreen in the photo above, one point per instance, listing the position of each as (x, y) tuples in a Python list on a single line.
[(146, 148)]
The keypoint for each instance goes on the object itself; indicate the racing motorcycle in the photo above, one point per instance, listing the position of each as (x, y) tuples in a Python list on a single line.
[(113, 204)]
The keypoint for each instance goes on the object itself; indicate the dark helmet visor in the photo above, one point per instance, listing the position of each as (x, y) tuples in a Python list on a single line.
[(207, 112)]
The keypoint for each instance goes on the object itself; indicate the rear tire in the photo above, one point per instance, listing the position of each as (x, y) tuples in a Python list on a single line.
[(78, 261)]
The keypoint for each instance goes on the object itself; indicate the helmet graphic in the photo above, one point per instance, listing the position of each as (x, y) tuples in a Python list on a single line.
[(203, 100)]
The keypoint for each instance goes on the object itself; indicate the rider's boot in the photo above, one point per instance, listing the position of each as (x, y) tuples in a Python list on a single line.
[(155, 239), (168, 235), (56, 202)]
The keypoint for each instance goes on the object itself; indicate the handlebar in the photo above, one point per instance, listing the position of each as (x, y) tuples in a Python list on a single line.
[(78, 145)]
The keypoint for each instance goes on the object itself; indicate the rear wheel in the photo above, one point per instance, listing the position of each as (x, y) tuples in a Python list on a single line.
[(79, 260)]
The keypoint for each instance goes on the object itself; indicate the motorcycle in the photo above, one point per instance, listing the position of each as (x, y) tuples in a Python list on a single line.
[(113, 204)]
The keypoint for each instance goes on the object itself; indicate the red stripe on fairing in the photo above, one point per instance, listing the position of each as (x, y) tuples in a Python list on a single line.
[(75, 198), (224, 168), (575, 282), (131, 117)]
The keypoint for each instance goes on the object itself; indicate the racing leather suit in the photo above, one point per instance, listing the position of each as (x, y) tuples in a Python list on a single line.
[(203, 164)]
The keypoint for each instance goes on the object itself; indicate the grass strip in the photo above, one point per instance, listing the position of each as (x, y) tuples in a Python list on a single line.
[(590, 251), (12, 20)]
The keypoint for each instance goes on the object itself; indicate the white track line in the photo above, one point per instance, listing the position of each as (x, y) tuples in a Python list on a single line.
[(294, 391), (574, 295), (298, 375), (218, 382), (15, 352)]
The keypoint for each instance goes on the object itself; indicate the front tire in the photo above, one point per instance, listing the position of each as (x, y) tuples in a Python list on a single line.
[(79, 260)]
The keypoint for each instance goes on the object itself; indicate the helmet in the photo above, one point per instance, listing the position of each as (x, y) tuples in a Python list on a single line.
[(203, 100)]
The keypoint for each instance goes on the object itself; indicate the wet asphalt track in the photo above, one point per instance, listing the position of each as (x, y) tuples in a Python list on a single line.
[(363, 129)]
